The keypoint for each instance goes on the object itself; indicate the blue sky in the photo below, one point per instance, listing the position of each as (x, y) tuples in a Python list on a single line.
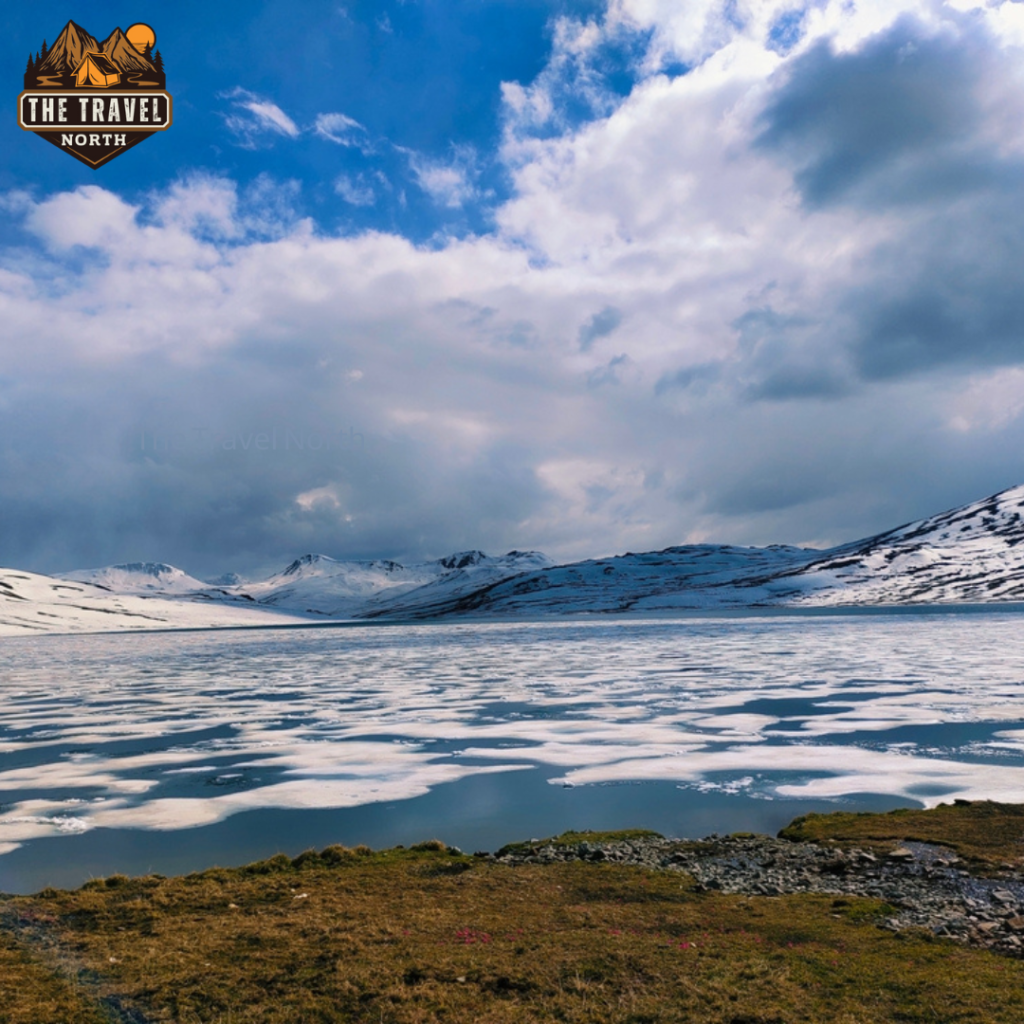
[(414, 277), (421, 79)]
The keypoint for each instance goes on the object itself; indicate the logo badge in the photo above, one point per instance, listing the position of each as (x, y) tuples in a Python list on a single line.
[(96, 100)]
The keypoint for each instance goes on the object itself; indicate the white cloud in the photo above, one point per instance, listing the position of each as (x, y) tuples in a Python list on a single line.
[(201, 203), (354, 191), (572, 77), (89, 216), (449, 183), (318, 498), (989, 402), (343, 130), (255, 117)]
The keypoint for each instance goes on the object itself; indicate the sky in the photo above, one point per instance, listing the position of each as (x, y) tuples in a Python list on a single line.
[(418, 276)]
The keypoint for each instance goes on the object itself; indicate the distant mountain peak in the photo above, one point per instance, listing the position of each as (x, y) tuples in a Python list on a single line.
[(148, 568), (461, 559), (303, 561), (138, 578), (227, 579)]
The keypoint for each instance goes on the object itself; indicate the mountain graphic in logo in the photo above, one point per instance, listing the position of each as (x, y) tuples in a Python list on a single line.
[(96, 100)]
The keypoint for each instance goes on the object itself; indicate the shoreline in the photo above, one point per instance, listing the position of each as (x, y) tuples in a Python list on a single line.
[(842, 917), (577, 618)]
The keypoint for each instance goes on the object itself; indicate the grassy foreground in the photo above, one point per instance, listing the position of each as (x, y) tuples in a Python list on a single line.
[(426, 935)]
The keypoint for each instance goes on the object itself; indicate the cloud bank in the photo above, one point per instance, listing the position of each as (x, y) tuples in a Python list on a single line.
[(771, 291)]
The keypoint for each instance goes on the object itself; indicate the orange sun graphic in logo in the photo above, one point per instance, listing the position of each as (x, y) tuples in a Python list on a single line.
[(140, 36)]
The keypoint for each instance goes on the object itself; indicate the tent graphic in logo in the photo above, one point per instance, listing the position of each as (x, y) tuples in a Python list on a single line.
[(97, 69), (96, 100)]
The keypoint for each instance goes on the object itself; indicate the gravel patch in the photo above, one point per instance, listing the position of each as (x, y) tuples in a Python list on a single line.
[(927, 886)]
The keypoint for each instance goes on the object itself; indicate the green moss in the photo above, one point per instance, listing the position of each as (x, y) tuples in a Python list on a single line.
[(572, 838), (987, 834)]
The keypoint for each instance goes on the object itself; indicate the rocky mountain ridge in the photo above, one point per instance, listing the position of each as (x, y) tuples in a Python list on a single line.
[(973, 554)]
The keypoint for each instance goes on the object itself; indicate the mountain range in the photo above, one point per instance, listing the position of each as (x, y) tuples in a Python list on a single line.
[(971, 555), (74, 42)]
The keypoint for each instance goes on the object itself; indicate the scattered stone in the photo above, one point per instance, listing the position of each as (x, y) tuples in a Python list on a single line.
[(916, 880)]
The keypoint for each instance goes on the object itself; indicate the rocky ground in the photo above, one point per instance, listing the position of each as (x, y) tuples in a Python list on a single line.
[(927, 886)]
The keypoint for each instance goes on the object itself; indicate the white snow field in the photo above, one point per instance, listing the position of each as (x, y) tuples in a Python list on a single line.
[(31, 603)]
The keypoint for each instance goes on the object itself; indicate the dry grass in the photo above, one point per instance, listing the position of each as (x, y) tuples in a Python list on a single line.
[(416, 936), (987, 834), (33, 994)]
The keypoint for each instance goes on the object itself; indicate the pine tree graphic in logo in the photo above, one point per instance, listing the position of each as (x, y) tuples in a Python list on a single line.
[(96, 100)]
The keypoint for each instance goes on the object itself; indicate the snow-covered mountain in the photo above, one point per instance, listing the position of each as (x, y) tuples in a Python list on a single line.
[(319, 585), (969, 554), (323, 586), (973, 554), (138, 578), (607, 584), (31, 604), (456, 577), (689, 577), (227, 579)]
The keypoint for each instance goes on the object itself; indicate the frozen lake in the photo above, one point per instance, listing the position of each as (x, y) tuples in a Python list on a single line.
[(171, 752)]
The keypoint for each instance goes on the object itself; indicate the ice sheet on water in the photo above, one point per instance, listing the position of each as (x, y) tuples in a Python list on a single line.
[(168, 732)]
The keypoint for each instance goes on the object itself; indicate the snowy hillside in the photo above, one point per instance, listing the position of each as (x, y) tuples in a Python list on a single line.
[(970, 554), (32, 604), (321, 585), (457, 576), (138, 578), (695, 576)]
